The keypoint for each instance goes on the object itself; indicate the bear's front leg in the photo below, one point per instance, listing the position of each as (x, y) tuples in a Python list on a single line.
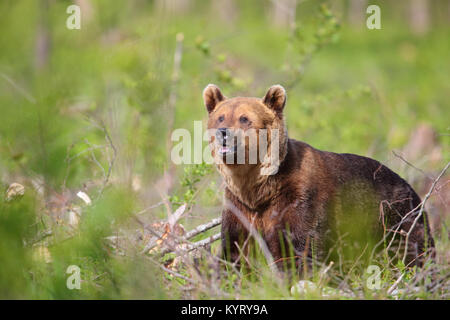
[(233, 235)]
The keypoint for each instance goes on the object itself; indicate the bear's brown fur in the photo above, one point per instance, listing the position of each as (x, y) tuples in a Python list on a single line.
[(314, 196)]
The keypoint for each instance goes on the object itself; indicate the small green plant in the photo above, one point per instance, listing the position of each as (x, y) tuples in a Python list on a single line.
[(193, 174), (307, 40)]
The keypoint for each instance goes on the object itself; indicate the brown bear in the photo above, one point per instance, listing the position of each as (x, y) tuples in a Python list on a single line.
[(312, 198)]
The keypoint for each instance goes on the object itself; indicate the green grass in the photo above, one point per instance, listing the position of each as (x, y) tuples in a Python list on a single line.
[(101, 103)]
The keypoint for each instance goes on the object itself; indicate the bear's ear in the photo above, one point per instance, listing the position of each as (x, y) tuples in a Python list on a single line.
[(212, 96), (275, 98)]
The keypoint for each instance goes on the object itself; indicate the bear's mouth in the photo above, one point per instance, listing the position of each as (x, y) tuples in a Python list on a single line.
[(224, 150)]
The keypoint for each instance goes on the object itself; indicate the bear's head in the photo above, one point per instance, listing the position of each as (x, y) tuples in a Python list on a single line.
[(247, 132)]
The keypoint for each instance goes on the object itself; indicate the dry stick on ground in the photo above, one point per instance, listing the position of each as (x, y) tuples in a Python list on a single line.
[(200, 283), (182, 253), (204, 242), (323, 274), (203, 282), (422, 208), (191, 246), (202, 228), (154, 232), (217, 259)]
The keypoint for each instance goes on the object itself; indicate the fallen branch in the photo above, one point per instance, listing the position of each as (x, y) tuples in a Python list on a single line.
[(202, 228), (156, 234), (204, 242), (194, 232)]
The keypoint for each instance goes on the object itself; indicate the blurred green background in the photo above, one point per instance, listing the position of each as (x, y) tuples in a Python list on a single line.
[(92, 110)]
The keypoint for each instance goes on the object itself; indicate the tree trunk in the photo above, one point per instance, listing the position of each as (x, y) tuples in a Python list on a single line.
[(357, 12), (283, 12), (224, 9), (419, 16), (42, 45), (173, 6), (86, 9)]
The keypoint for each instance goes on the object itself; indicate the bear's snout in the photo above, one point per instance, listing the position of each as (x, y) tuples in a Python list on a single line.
[(223, 136), (225, 139)]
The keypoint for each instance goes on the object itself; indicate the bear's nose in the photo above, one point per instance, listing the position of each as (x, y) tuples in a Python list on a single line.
[(222, 134)]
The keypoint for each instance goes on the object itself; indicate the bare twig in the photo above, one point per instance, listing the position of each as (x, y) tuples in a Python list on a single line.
[(422, 208), (189, 235), (396, 231), (111, 162), (324, 272), (22, 91), (392, 288), (106, 173), (150, 208), (411, 165), (158, 235)]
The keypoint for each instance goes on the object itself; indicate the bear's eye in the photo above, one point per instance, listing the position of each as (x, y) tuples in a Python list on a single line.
[(221, 118), (243, 119)]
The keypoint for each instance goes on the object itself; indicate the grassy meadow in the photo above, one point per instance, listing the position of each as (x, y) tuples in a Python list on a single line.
[(86, 118)]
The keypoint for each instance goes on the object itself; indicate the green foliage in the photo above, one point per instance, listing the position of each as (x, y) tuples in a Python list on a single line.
[(95, 117), (192, 175), (308, 39)]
